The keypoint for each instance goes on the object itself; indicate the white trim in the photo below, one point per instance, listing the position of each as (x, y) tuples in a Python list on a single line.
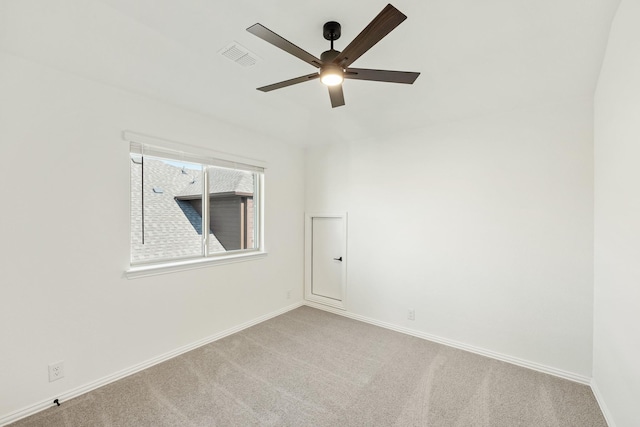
[(191, 264), (179, 147), (608, 417), (308, 244), (47, 403), (582, 379)]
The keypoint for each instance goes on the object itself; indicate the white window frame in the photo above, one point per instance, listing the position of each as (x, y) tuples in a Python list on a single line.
[(159, 147)]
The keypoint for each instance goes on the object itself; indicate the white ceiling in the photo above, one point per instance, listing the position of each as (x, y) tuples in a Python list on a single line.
[(475, 56)]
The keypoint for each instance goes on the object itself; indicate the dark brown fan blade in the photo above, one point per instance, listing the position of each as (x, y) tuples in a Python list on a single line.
[(336, 95), (381, 75), (291, 82), (269, 36), (383, 24)]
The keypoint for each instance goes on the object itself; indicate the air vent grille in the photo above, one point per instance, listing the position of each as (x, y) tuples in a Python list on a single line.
[(246, 60), (239, 54)]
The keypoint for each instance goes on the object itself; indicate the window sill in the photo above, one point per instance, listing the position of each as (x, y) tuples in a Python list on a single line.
[(171, 267)]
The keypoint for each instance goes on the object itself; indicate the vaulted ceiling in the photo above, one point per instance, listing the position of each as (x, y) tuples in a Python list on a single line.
[(476, 57)]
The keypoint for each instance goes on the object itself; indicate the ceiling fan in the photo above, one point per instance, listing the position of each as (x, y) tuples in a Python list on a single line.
[(334, 65)]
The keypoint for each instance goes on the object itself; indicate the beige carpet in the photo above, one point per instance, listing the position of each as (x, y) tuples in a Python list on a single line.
[(313, 368)]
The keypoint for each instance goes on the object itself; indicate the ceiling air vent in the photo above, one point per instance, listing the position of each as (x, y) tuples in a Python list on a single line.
[(239, 54)]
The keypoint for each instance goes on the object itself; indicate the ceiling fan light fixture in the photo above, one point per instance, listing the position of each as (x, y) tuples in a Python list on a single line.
[(331, 75)]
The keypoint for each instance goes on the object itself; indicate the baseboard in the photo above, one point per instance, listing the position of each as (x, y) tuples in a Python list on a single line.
[(462, 346), (47, 403), (603, 406)]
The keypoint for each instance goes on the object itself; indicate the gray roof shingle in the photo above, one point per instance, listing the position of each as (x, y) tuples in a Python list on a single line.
[(173, 228)]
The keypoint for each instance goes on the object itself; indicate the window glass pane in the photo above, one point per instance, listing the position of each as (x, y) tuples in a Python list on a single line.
[(232, 218), (166, 209)]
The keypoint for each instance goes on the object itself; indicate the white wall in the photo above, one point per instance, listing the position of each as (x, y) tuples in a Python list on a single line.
[(616, 353), (484, 227), (65, 235)]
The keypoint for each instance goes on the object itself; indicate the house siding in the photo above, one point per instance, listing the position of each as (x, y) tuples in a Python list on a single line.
[(225, 214), (225, 220)]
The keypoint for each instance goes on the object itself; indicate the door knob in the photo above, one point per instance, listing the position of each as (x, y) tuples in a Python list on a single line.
[(338, 259)]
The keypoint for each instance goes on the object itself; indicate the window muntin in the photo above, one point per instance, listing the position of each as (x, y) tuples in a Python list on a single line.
[(167, 206)]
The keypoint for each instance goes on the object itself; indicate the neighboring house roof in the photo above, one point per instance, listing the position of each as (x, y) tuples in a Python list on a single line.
[(221, 181), (172, 228)]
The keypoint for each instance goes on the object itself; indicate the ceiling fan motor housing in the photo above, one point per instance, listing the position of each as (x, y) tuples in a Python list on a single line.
[(328, 55)]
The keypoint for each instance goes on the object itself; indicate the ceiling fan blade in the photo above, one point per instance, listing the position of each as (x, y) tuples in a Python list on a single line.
[(381, 75), (290, 82), (269, 36), (336, 95), (383, 24)]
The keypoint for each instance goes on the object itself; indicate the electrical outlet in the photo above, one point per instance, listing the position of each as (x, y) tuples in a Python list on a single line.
[(56, 371), (411, 314), (289, 294)]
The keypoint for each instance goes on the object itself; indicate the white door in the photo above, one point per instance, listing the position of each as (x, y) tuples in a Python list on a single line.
[(326, 262)]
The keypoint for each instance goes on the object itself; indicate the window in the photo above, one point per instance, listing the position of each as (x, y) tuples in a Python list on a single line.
[(188, 208)]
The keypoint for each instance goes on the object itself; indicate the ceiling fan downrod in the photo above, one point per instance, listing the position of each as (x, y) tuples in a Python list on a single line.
[(331, 31)]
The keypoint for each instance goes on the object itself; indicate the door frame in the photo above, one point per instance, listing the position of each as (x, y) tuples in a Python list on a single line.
[(308, 268)]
